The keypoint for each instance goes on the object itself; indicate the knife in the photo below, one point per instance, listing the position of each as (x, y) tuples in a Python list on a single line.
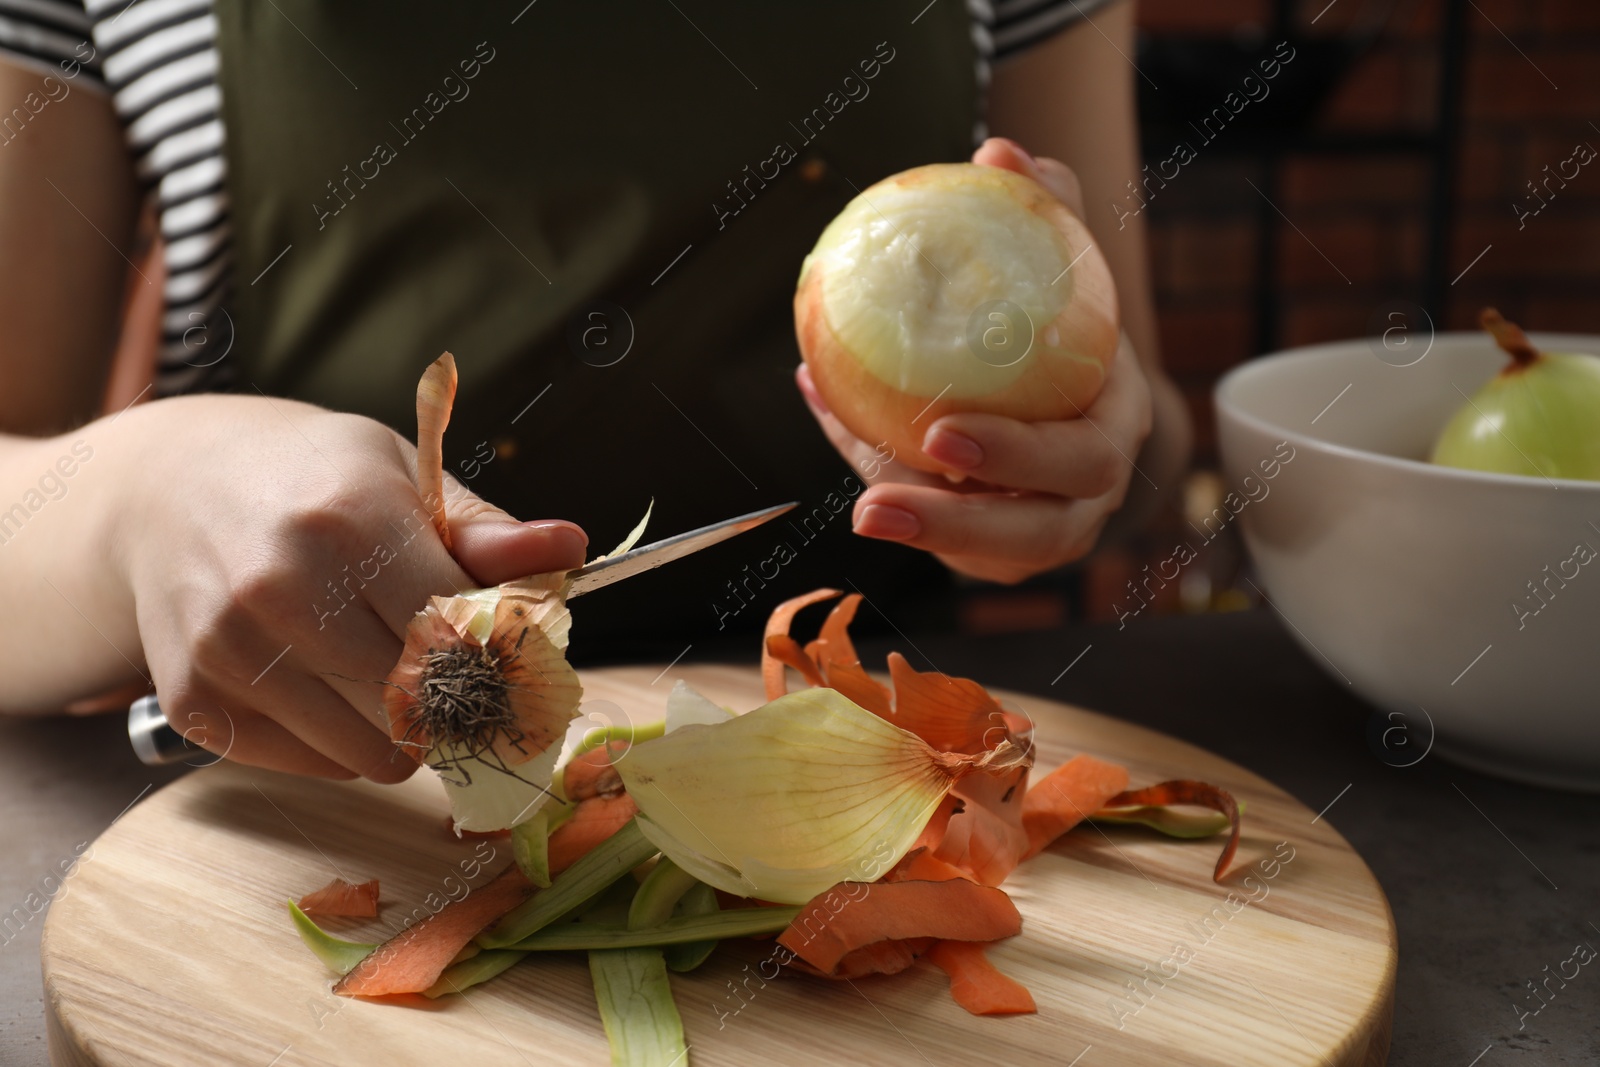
[(155, 742)]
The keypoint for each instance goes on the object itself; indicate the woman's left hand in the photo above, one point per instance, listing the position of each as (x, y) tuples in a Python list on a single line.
[(1036, 495)]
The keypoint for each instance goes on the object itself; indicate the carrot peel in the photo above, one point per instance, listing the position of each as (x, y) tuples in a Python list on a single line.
[(778, 625), (593, 821), (786, 652), (1066, 796), (880, 957), (852, 915), (835, 653), (412, 960), (976, 984), (591, 774), (343, 899)]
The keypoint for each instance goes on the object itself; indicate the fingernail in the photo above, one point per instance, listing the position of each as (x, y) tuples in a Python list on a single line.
[(889, 523), (561, 530), (808, 389), (953, 449)]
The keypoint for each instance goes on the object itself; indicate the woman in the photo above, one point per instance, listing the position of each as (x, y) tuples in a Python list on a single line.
[(600, 208)]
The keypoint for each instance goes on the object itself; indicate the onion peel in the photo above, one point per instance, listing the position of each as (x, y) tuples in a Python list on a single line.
[(786, 651), (835, 654), (986, 839), (1187, 791), (801, 793), (436, 394), (483, 683), (951, 714)]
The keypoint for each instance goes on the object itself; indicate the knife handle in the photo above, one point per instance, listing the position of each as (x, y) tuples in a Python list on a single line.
[(154, 740)]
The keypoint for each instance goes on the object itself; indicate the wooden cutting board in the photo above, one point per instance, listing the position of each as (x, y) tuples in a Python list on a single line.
[(171, 945)]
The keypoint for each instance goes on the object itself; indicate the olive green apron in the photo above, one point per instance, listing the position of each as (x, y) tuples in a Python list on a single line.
[(601, 209)]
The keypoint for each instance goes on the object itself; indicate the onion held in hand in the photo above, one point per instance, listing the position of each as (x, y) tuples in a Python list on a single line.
[(1540, 416), (954, 287)]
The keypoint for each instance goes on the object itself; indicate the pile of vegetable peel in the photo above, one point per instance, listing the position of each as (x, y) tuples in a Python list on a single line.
[(936, 898), (867, 825)]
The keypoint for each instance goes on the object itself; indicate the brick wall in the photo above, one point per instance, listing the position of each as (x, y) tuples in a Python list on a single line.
[(1532, 90)]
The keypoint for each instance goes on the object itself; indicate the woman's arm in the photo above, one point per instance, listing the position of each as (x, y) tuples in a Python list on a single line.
[(67, 208), (259, 560), (68, 201), (1072, 98)]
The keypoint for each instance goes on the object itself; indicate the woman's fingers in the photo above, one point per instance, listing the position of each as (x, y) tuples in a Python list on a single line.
[(489, 546), (1070, 459), (1009, 571), (234, 665), (492, 547), (1021, 533), (1087, 456), (1052, 174), (847, 444), (231, 731), (353, 652), (874, 465), (310, 709), (400, 574), (498, 548), (264, 647)]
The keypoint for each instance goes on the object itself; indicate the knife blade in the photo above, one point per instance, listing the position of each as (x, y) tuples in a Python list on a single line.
[(156, 743), (603, 572)]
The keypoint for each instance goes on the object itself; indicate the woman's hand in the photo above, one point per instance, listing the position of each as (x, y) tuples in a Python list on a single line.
[(276, 565), (1035, 495)]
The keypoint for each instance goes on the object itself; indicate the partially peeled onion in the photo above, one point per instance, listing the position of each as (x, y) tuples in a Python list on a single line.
[(483, 692), (954, 287), (1540, 416)]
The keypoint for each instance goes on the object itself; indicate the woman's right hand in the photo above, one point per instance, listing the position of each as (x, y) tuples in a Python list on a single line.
[(274, 553)]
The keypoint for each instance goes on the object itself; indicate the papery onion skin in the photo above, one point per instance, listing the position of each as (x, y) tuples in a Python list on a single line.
[(946, 266), (1539, 417), (795, 796), (495, 775)]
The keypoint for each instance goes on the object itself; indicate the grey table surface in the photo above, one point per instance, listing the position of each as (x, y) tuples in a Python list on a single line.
[(1490, 881)]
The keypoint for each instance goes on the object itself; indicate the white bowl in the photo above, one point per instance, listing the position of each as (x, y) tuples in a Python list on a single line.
[(1411, 582)]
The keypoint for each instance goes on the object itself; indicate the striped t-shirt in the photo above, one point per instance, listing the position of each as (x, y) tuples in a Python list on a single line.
[(158, 61)]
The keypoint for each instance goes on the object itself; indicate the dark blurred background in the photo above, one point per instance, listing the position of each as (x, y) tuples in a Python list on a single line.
[(1399, 142)]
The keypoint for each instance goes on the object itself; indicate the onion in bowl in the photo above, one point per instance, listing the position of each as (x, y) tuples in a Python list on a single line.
[(954, 287)]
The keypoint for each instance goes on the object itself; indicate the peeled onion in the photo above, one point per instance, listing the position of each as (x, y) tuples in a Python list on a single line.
[(954, 287), (1540, 416)]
